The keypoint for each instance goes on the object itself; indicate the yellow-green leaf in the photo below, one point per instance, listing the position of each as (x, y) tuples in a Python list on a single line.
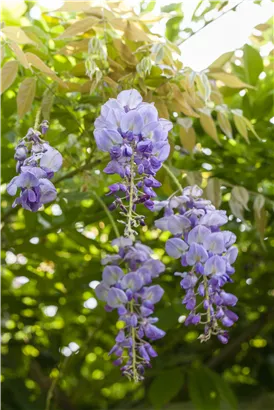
[(220, 62), (25, 96), (224, 124), (2, 53), (236, 208), (188, 138), (241, 195), (208, 124), (79, 27), (71, 6), (17, 35), (203, 85), (21, 56), (8, 75), (250, 127), (260, 222), (258, 203), (47, 102), (134, 32), (110, 82), (229, 79), (240, 124), (213, 191), (36, 62)]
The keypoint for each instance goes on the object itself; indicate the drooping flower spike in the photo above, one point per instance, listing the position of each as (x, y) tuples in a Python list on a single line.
[(37, 162), (206, 254), (129, 290), (136, 139)]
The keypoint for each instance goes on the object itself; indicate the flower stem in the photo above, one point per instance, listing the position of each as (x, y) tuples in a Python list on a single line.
[(173, 177), (133, 335), (110, 217), (37, 119), (129, 231), (207, 298)]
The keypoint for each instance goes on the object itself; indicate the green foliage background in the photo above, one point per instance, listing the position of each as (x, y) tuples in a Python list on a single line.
[(59, 248)]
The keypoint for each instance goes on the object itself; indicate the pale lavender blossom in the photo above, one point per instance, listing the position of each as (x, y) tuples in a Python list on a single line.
[(126, 286), (208, 252), (131, 131), (37, 162)]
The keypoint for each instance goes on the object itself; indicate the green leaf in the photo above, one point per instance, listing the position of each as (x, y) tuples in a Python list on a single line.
[(253, 64), (202, 390), (165, 386), (173, 28), (225, 391)]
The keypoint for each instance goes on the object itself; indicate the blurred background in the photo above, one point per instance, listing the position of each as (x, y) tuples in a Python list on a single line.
[(55, 334)]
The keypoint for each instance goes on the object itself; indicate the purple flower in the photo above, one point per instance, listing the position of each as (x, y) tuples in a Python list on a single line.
[(208, 251), (136, 139), (176, 247), (37, 162), (134, 301)]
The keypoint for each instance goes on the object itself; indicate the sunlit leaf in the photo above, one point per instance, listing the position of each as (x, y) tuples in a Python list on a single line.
[(241, 195), (8, 75), (208, 124), (25, 96), (229, 79), (240, 124), (253, 64), (17, 35), (224, 124), (222, 60), (21, 56), (213, 191), (79, 27)]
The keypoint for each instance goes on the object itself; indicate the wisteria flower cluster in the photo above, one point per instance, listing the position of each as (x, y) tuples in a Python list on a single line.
[(209, 253), (129, 290), (136, 139), (37, 162)]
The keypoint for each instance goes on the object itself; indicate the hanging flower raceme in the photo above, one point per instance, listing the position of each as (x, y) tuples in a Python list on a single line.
[(136, 139), (129, 290), (37, 162), (208, 252)]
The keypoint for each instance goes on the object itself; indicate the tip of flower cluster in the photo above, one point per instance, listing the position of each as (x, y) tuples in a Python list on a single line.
[(127, 287)]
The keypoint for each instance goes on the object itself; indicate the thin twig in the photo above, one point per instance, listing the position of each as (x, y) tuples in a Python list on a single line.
[(55, 382), (211, 21), (107, 211)]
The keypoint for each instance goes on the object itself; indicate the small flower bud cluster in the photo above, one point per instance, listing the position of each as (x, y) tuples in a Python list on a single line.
[(37, 162), (136, 139), (129, 290), (209, 253)]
